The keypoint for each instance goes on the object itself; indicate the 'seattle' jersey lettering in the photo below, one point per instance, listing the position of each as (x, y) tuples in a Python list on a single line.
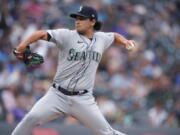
[(82, 56), (79, 57)]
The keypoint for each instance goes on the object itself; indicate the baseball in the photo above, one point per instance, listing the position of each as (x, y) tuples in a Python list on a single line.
[(130, 46)]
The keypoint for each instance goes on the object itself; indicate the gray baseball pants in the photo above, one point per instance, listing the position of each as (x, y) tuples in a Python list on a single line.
[(55, 104)]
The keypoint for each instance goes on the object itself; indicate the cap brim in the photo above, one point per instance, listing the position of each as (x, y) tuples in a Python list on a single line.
[(74, 15)]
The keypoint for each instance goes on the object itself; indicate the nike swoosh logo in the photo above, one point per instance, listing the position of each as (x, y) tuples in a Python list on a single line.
[(79, 42)]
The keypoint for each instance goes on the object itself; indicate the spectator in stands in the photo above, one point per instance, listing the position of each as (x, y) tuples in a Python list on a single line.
[(157, 115)]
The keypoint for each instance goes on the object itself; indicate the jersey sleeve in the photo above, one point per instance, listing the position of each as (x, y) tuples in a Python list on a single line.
[(108, 39), (59, 36)]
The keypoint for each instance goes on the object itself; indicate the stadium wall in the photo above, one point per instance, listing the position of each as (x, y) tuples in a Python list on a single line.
[(60, 129)]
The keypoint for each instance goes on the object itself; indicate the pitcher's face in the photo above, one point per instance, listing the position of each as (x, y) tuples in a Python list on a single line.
[(83, 24)]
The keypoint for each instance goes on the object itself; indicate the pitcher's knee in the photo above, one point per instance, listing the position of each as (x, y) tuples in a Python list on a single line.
[(33, 119)]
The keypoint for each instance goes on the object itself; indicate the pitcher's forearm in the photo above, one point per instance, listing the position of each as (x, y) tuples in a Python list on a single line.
[(38, 35), (120, 40)]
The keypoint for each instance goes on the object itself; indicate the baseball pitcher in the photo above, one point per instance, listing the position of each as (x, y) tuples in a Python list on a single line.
[(81, 50)]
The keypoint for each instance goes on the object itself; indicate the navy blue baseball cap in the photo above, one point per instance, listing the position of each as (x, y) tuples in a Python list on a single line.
[(88, 12)]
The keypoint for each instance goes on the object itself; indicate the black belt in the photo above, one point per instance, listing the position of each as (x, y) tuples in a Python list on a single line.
[(69, 93)]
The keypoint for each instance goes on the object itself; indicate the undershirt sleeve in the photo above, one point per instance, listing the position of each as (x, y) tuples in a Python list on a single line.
[(59, 36), (49, 37)]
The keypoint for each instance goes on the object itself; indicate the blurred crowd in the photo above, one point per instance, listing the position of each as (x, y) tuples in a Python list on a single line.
[(136, 88)]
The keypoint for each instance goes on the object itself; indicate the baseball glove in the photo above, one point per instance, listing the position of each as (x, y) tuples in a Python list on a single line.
[(29, 58)]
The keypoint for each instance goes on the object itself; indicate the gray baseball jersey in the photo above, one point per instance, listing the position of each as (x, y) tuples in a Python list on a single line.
[(79, 57), (78, 61)]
